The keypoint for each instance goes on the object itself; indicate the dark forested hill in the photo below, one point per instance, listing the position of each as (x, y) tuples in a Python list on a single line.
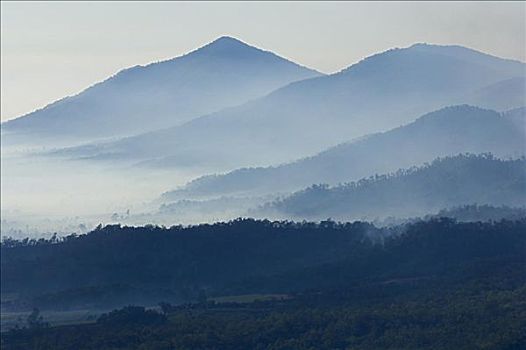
[(448, 131), (379, 93), (446, 182), (223, 73), (120, 265), (428, 285), (483, 213), (170, 263)]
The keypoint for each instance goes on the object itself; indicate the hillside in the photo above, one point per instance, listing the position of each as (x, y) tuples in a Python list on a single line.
[(143, 264), (122, 265), (449, 131), (223, 73), (379, 93), (503, 95), (446, 182)]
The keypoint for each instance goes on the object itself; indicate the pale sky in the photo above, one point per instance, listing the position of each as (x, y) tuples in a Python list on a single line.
[(52, 50)]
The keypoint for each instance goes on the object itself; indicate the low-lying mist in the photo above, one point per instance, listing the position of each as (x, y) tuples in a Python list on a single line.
[(47, 195)]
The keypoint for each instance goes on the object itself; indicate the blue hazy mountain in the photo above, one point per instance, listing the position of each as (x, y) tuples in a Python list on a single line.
[(448, 131), (223, 73), (518, 117), (506, 94), (377, 94), (446, 182)]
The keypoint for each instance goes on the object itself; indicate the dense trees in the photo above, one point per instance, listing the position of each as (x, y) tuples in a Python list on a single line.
[(483, 213), (446, 182), (139, 264), (436, 284), (458, 316), (115, 266)]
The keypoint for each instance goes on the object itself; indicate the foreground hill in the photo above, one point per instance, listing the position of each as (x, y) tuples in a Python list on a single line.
[(430, 285), (126, 264), (448, 131), (379, 93), (444, 183), (223, 73), (121, 265)]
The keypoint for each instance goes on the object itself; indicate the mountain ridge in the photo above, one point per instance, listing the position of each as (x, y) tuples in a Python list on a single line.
[(444, 132), (443, 183), (222, 73), (384, 91)]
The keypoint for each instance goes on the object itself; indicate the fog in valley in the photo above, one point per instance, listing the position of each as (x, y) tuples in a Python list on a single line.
[(42, 195)]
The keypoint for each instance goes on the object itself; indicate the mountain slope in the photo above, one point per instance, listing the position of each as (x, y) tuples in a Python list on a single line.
[(503, 95), (444, 132), (223, 73), (379, 93), (446, 182), (242, 256), (518, 117)]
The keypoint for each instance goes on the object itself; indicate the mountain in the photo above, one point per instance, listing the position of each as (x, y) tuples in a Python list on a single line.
[(446, 182), (448, 131), (518, 117), (223, 73), (379, 93), (507, 94)]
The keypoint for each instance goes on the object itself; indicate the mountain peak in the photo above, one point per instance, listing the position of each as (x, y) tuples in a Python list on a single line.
[(226, 44), (421, 45), (225, 72), (227, 39)]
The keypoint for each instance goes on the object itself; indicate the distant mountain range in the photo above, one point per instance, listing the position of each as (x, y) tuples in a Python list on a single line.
[(379, 93), (448, 131), (223, 73), (446, 182)]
